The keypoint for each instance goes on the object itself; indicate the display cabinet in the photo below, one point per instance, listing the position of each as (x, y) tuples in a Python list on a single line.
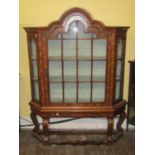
[(76, 69)]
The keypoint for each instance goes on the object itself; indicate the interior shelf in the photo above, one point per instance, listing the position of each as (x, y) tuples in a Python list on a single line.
[(72, 79), (73, 58)]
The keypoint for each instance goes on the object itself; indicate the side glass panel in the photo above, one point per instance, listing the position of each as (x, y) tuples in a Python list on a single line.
[(117, 92), (119, 57), (36, 90), (33, 49), (119, 49), (35, 93)]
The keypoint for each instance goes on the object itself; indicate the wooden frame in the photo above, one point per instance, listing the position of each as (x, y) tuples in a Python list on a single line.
[(110, 107)]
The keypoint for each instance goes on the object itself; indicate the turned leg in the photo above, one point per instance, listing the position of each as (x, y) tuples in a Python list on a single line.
[(45, 132), (122, 117), (109, 131), (35, 122)]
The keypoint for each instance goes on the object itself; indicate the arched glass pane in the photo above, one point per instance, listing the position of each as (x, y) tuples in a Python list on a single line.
[(76, 27)]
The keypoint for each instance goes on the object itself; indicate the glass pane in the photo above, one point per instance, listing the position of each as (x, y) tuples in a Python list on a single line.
[(99, 68), (84, 48), (86, 35), (36, 90), (69, 36), (55, 70), (35, 69), (69, 48), (99, 47), (98, 92), (56, 92), (33, 47), (84, 70), (117, 92), (69, 70), (84, 92), (54, 48), (119, 68), (119, 48), (70, 92)]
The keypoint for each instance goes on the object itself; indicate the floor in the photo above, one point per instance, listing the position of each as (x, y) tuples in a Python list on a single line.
[(31, 146)]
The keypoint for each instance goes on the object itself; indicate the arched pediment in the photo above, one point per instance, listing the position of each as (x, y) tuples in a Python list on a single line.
[(76, 15)]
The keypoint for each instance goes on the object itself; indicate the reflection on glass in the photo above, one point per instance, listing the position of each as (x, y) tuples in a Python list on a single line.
[(70, 92), (98, 92), (56, 92), (84, 92)]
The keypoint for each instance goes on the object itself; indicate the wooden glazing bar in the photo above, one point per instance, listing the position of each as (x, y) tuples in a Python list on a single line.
[(77, 67), (91, 84), (62, 67)]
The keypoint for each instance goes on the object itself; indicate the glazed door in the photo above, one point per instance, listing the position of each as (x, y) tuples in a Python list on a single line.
[(76, 67)]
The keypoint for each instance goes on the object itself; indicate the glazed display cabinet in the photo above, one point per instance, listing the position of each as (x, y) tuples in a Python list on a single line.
[(76, 69)]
